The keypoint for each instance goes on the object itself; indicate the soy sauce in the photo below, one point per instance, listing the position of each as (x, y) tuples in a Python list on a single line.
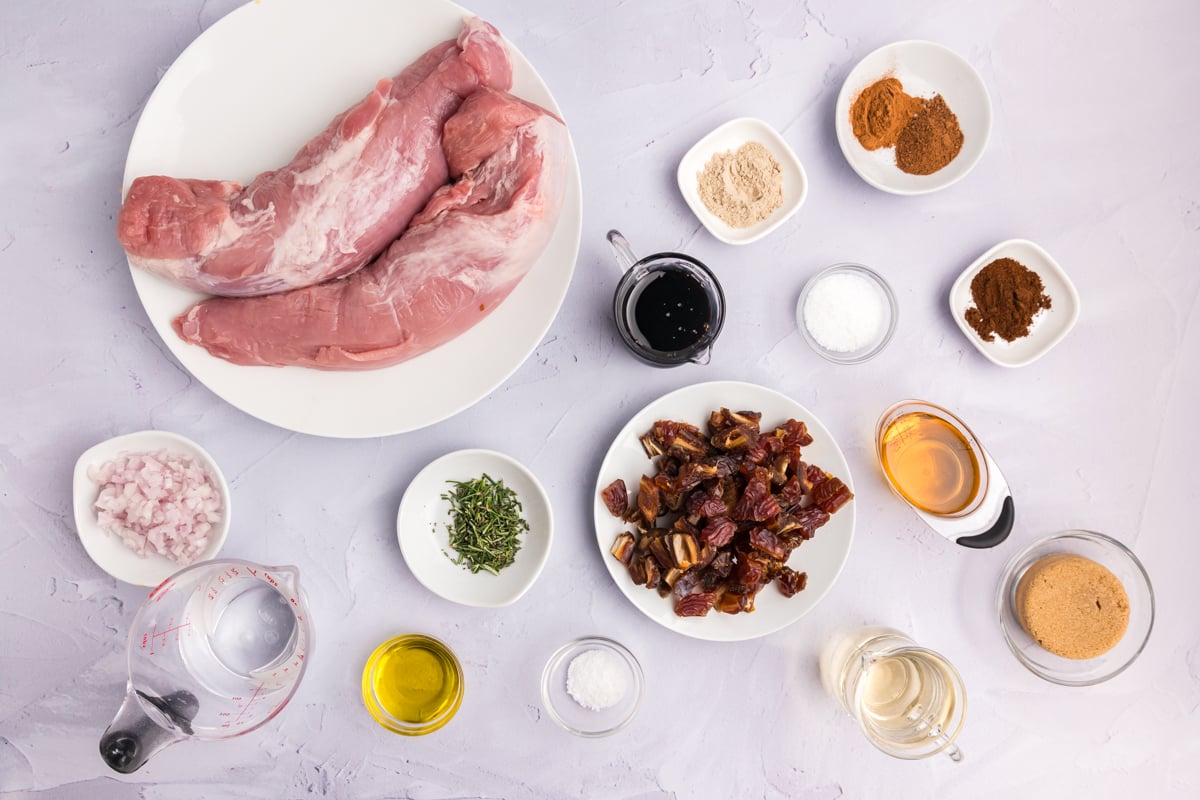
[(671, 310)]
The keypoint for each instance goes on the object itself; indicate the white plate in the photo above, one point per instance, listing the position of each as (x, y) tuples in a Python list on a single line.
[(1049, 325), (425, 541), (822, 557), (731, 136), (243, 98), (925, 69), (106, 549)]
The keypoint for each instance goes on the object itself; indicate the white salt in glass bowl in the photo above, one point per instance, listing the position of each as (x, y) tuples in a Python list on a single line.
[(886, 329), (568, 713), (731, 136), (1049, 325), (106, 549)]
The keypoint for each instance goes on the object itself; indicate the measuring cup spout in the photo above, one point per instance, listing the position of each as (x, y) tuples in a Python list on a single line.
[(287, 575), (703, 357), (133, 735), (621, 249)]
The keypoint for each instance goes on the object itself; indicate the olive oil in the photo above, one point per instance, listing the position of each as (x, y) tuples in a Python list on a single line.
[(412, 684), (930, 463)]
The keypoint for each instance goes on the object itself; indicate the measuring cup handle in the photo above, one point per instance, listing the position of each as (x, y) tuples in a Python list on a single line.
[(621, 249), (995, 534)]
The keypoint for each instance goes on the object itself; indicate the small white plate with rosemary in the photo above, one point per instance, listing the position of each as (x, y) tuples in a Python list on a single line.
[(475, 527)]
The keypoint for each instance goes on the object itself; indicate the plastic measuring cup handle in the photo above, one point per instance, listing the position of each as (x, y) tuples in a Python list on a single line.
[(995, 534), (622, 250), (133, 736)]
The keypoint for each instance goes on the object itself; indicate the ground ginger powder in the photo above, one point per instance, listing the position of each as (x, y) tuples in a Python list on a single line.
[(742, 187)]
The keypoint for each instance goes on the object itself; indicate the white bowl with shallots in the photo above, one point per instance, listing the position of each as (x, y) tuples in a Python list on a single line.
[(148, 504)]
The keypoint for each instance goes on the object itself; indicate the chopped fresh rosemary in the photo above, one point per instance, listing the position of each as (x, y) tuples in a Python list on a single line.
[(485, 522)]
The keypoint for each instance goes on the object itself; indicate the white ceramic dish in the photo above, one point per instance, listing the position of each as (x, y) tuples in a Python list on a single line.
[(925, 69), (298, 64), (731, 136), (1049, 326), (425, 541), (822, 557), (106, 549)]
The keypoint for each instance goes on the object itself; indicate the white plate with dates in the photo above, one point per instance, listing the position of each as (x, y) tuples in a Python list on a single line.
[(299, 63), (822, 557)]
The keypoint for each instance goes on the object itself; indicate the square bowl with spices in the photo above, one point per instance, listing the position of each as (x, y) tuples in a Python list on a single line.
[(475, 527), (1014, 303), (742, 181)]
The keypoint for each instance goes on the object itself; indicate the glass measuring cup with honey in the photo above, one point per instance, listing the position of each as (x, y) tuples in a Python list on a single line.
[(933, 462)]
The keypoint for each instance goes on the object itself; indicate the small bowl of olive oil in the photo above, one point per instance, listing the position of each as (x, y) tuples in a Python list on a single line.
[(412, 684)]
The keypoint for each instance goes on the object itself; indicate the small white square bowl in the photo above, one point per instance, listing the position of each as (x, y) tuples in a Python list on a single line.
[(1049, 326), (731, 136)]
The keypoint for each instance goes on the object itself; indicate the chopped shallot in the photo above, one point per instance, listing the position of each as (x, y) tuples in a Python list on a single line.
[(161, 502)]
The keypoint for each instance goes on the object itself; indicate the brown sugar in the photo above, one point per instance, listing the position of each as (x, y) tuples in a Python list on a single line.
[(1072, 606), (881, 111)]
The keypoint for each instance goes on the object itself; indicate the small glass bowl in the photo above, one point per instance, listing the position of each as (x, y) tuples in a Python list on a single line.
[(872, 349), (1107, 552), (376, 662), (581, 721)]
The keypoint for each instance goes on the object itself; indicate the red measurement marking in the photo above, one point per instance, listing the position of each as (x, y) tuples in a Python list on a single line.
[(155, 633), (253, 572), (270, 580), (247, 705)]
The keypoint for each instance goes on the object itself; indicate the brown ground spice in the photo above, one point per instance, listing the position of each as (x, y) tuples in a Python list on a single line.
[(881, 111), (1007, 295), (930, 140)]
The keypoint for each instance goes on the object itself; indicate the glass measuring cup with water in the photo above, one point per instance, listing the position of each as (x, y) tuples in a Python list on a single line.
[(668, 307), (215, 651), (909, 701)]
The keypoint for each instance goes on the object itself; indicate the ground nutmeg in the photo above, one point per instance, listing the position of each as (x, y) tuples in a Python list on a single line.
[(1007, 295)]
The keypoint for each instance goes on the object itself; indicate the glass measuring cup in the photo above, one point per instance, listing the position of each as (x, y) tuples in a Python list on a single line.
[(215, 651), (908, 700), (933, 462), (654, 288)]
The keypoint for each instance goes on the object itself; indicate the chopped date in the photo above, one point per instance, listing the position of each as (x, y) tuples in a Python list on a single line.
[(623, 548), (791, 582), (757, 502), (719, 531), (766, 541), (648, 500), (695, 605), (705, 504), (735, 501), (810, 519), (616, 497), (831, 495)]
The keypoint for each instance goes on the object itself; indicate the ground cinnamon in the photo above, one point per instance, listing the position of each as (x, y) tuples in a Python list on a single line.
[(881, 111), (1007, 296), (930, 140)]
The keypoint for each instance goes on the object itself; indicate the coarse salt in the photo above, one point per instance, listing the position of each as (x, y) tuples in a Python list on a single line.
[(597, 679), (845, 312)]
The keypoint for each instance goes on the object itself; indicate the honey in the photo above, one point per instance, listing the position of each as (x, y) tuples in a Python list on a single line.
[(412, 684), (930, 463)]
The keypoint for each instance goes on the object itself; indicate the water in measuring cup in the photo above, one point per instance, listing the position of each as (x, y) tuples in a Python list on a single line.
[(242, 633), (907, 698)]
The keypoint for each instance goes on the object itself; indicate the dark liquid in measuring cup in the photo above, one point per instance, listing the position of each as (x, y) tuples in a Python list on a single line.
[(671, 310)]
